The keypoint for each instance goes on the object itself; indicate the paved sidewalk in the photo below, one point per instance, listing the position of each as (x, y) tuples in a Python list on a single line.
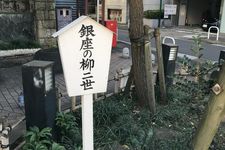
[(11, 86)]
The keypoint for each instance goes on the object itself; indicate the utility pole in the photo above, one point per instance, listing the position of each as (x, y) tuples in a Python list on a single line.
[(160, 12), (97, 11), (86, 7)]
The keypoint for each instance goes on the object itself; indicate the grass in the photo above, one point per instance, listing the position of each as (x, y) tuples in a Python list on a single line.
[(120, 124)]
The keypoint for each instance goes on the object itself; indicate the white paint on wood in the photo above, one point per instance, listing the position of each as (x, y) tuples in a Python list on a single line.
[(87, 122), (70, 42)]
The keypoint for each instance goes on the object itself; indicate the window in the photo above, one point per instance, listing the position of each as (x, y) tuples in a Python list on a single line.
[(61, 12), (115, 14)]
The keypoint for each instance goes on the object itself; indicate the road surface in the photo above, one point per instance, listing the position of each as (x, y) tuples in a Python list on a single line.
[(185, 43)]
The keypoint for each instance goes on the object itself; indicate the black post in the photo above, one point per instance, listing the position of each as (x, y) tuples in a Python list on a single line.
[(169, 61), (39, 94)]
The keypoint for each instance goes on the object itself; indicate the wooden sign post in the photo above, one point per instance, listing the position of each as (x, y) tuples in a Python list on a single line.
[(85, 51)]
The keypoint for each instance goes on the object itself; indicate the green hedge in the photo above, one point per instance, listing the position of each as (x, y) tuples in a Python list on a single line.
[(18, 44), (153, 14)]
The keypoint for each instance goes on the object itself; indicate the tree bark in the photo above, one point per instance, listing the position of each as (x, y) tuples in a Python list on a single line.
[(137, 39), (213, 116)]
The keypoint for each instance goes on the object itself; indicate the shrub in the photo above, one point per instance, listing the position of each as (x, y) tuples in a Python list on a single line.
[(153, 14), (70, 133), (37, 139), (19, 44)]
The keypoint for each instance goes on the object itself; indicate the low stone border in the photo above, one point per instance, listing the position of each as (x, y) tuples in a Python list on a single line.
[(5, 53)]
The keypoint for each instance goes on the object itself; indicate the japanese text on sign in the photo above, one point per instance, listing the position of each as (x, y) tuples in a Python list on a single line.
[(170, 9), (87, 63)]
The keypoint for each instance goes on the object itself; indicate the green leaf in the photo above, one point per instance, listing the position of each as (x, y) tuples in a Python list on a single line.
[(41, 147), (56, 146)]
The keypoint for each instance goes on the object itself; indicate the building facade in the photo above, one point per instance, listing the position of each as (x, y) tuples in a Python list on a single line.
[(28, 20), (68, 10), (191, 12), (116, 10)]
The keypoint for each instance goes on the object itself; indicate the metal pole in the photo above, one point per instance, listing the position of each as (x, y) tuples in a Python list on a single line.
[(97, 11), (103, 11), (86, 7), (160, 11)]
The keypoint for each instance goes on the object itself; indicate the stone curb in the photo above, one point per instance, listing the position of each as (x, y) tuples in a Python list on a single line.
[(5, 53)]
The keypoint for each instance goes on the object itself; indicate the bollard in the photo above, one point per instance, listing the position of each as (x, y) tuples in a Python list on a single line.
[(217, 32), (126, 52), (39, 94)]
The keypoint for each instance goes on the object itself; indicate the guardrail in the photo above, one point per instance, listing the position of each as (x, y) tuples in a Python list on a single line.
[(217, 32)]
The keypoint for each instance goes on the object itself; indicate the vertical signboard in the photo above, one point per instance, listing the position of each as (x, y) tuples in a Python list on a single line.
[(85, 51)]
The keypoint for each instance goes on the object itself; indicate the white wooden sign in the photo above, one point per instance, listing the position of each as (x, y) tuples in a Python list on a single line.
[(85, 50), (170, 9)]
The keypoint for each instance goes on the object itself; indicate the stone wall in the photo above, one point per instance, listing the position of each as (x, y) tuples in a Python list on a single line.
[(13, 6), (31, 19), (45, 22), (16, 26), (16, 20)]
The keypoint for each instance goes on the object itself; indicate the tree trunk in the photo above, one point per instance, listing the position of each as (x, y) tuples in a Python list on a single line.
[(138, 54), (213, 116)]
